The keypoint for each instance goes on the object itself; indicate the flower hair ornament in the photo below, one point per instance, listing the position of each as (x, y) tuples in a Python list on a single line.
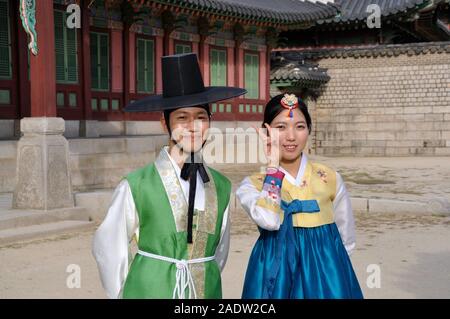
[(290, 102)]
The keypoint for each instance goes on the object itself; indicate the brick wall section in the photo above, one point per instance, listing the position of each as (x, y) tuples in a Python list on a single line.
[(385, 106)]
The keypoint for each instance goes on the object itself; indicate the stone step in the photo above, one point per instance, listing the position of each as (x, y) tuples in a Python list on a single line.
[(6, 201), (34, 232), (14, 218), (96, 203)]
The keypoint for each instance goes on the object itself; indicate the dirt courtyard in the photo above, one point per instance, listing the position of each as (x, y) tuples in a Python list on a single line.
[(397, 255), (410, 254)]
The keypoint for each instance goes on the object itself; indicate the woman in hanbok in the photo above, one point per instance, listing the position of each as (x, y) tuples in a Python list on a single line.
[(303, 212)]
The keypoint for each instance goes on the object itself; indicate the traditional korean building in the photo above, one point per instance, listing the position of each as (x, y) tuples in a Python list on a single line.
[(114, 56), (68, 68), (371, 91), (401, 21), (387, 92)]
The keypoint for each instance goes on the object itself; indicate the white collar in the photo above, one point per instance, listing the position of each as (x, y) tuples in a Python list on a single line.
[(298, 180), (174, 164), (177, 169)]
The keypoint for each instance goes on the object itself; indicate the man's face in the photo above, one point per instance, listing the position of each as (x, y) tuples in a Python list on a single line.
[(189, 127)]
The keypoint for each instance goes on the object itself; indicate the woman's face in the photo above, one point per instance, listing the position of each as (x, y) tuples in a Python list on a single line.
[(293, 134)]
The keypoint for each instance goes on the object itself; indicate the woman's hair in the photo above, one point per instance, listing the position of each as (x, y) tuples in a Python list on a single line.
[(274, 107)]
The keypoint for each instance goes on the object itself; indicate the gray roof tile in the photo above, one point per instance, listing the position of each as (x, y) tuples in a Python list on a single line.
[(277, 11), (291, 68), (356, 10)]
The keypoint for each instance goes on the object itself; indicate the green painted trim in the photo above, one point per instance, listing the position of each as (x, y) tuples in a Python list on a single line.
[(73, 100), (182, 48), (96, 36), (5, 97), (60, 99), (251, 75), (69, 50), (99, 22), (218, 67), (104, 105), (5, 48), (114, 104), (94, 104), (27, 10), (145, 73)]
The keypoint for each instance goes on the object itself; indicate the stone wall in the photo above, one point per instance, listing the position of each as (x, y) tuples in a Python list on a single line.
[(96, 163), (10, 129), (8, 153), (391, 105), (101, 163)]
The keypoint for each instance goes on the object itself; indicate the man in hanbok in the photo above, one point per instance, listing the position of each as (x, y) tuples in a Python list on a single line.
[(176, 208)]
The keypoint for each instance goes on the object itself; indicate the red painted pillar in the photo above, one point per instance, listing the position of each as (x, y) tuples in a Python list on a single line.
[(263, 75), (132, 62), (42, 66), (231, 68), (205, 54), (201, 59), (168, 43), (237, 83), (268, 74), (86, 54), (158, 66), (126, 64), (241, 69), (23, 81)]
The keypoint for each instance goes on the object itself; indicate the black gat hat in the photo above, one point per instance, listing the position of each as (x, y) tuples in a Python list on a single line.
[(183, 87)]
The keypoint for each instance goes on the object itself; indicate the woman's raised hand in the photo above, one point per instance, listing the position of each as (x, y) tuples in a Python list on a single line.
[(270, 140)]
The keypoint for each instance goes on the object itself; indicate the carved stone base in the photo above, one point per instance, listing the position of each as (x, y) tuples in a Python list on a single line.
[(43, 180)]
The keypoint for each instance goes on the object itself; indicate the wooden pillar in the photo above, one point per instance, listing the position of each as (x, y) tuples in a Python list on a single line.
[(236, 65), (132, 62), (86, 56), (43, 175), (205, 62), (241, 68), (203, 56), (158, 64), (168, 43), (42, 66), (263, 75), (236, 79), (126, 64), (268, 73), (195, 48), (23, 79), (231, 67)]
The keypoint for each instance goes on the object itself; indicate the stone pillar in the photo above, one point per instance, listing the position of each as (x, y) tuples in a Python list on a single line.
[(43, 179)]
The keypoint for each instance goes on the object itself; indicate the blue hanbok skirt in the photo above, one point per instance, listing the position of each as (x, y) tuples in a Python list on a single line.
[(307, 263)]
